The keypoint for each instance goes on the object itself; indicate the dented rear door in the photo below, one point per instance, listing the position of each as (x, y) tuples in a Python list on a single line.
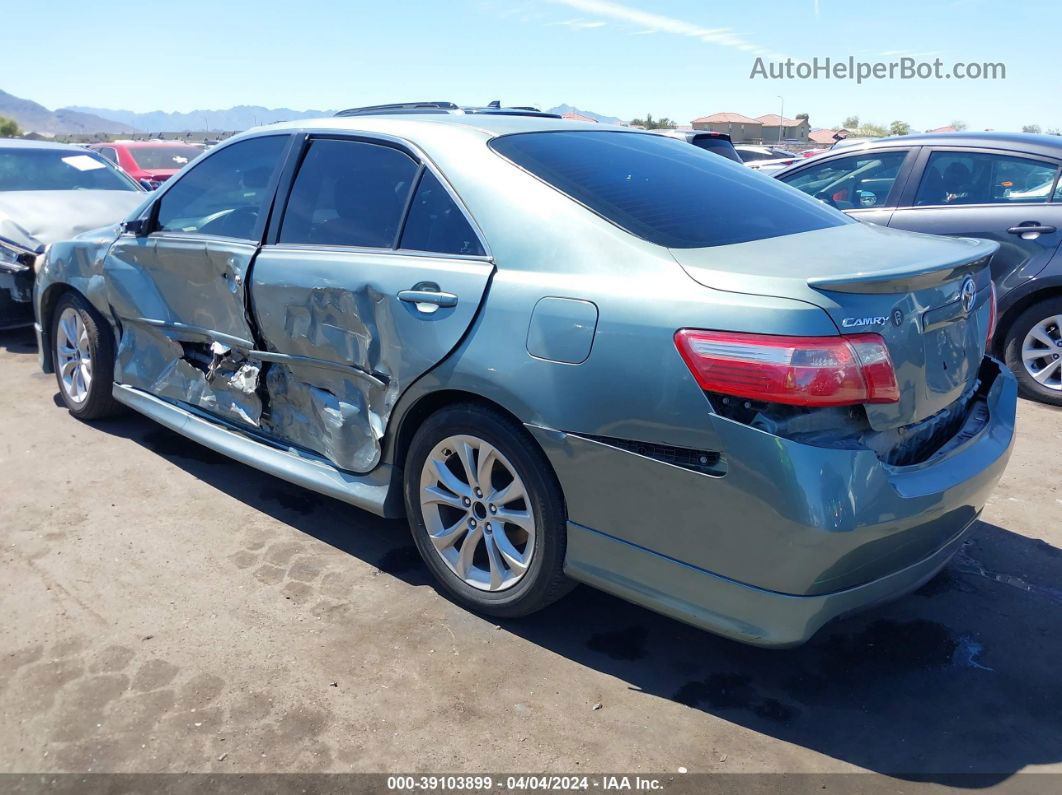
[(374, 276)]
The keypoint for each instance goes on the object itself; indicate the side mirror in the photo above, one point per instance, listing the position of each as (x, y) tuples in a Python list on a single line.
[(138, 226)]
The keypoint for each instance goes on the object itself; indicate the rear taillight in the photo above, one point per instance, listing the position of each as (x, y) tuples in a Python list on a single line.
[(992, 316), (801, 371)]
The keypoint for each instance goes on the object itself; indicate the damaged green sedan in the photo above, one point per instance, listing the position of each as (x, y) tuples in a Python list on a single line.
[(566, 352)]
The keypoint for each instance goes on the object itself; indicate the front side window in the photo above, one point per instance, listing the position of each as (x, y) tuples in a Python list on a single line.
[(436, 224), (963, 178), (58, 169), (109, 152), (853, 182), (348, 193), (663, 190), (227, 193)]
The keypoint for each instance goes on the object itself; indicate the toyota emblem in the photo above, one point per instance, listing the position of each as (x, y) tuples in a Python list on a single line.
[(967, 294)]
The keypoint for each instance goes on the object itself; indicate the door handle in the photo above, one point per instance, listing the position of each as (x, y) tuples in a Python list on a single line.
[(1032, 226), (428, 294)]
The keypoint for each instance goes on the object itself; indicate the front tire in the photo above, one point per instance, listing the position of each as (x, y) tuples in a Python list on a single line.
[(83, 353), (486, 512), (1033, 350)]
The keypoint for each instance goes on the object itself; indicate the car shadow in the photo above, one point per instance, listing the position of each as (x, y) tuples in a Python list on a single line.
[(20, 340), (957, 684)]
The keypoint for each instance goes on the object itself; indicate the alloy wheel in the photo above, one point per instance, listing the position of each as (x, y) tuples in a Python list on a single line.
[(73, 355), (1041, 352), (477, 512)]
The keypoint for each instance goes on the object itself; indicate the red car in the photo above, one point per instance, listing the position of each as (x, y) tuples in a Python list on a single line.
[(149, 162)]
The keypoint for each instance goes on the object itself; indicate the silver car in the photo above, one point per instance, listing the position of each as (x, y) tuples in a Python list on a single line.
[(50, 192), (566, 353)]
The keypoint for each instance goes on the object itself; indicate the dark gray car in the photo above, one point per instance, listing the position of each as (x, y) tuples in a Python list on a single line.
[(995, 186)]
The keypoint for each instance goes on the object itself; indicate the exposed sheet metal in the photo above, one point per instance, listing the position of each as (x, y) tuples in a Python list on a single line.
[(213, 378), (328, 412)]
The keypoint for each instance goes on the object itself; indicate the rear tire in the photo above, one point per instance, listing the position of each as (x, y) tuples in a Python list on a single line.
[(1033, 351), (475, 477), (83, 354)]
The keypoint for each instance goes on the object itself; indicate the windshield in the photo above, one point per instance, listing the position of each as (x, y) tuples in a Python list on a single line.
[(665, 191), (58, 169), (164, 156)]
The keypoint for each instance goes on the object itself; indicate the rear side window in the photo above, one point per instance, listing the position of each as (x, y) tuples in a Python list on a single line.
[(227, 193), (981, 178), (348, 193), (436, 224), (666, 191)]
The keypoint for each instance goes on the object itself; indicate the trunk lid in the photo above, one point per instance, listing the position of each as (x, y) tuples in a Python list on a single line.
[(907, 287)]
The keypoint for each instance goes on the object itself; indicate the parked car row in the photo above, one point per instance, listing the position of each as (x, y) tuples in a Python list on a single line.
[(149, 162), (566, 353)]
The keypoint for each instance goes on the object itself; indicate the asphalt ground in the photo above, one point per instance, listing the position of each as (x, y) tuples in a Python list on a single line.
[(168, 610)]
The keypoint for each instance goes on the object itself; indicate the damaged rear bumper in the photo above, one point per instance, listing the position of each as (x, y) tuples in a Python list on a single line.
[(726, 607), (788, 535)]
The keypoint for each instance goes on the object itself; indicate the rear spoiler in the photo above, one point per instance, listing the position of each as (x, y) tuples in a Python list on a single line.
[(885, 281)]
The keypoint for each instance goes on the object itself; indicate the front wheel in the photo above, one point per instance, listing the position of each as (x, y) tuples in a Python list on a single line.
[(486, 512), (1033, 350), (84, 358)]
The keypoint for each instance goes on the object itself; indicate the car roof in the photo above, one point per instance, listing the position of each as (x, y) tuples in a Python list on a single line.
[(1025, 142), (412, 124), (22, 143)]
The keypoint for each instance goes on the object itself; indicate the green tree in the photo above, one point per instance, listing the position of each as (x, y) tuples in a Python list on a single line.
[(959, 125), (649, 123), (899, 128), (869, 129), (851, 123), (9, 128), (800, 116), (1031, 128)]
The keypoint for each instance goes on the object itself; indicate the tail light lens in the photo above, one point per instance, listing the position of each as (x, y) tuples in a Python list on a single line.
[(800, 371), (992, 316)]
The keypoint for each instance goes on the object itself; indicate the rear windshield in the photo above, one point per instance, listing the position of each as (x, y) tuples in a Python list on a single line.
[(666, 191), (164, 156), (58, 169), (717, 146)]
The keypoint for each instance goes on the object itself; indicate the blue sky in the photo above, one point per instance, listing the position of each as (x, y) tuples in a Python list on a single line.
[(678, 58)]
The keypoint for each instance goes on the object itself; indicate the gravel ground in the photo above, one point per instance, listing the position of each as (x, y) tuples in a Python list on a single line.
[(167, 610)]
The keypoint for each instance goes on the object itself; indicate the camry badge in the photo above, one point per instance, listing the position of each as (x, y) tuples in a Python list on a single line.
[(855, 322), (967, 294)]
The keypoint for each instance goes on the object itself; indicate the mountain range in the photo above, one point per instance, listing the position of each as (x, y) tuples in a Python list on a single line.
[(31, 116), (237, 118)]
